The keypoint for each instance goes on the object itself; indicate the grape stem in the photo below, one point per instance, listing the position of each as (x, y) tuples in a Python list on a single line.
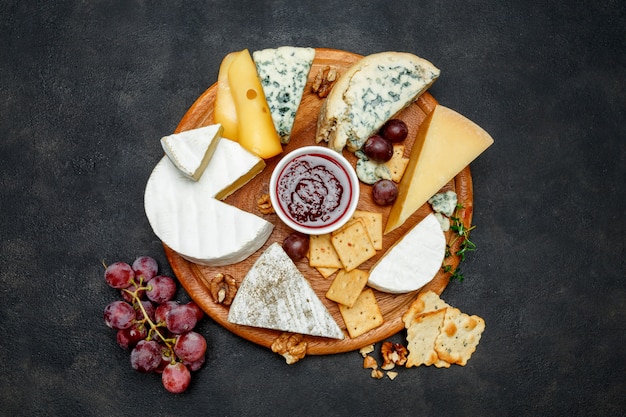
[(154, 328)]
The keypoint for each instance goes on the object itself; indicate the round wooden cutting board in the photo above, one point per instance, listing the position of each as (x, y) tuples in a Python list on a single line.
[(195, 278)]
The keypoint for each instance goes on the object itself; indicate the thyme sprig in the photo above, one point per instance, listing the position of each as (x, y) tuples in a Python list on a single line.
[(466, 245)]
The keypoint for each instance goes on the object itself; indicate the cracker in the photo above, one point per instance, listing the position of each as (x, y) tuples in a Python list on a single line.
[(363, 316), (425, 302), (326, 272), (398, 163), (322, 252), (353, 244), (347, 286), (421, 336), (459, 336), (374, 225)]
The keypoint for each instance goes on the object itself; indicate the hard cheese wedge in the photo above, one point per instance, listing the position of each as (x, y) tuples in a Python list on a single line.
[(284, 72), (224, 110), (189, 218), (413, 261), (275, 295), (368, 94), (446, 143), (191, 150), (255, 126)]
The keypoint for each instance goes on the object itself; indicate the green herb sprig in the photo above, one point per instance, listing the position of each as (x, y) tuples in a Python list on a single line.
[(466, 245)]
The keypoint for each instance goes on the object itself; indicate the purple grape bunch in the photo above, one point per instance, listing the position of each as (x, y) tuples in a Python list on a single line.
[(158, 331)]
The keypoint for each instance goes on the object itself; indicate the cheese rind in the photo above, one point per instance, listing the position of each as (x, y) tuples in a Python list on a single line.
[(191, 150), (275, 295), (368, 94), (255, 126), (224, 110), (283, 72), (188, 217), (445, 144), (413, 261)]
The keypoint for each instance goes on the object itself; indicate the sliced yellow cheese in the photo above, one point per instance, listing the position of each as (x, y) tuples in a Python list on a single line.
[(254, 121), (446, 143), (224, 111)]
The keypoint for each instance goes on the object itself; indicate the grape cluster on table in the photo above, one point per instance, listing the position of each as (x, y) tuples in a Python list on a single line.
[(158, 331)]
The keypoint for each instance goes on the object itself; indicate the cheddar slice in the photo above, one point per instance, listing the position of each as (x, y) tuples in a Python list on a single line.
[(446, 143), (224, 111), (255, 125)]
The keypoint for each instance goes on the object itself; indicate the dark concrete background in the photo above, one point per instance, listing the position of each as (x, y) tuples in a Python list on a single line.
[(87, 88)]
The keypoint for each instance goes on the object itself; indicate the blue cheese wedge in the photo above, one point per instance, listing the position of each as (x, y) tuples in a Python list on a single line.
[(275, 295), (413, 261), (283, 72), (368, 94), (191, 150), (189, 217)]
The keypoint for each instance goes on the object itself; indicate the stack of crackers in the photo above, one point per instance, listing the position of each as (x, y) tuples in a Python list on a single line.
[(343, 251), (439, 334)]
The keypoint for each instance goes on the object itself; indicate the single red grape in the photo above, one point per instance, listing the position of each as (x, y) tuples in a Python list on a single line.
[(176, 377), (119, 275), (181, 319), (195, 365), (384, 192), (378, 149), (126, 295), (148, 307), (197, 309), (163, 310), (161, 289), (145, 356), (190, 346), (119, 315), (146, 267), (394, 130), (296, 245), (128, 338)]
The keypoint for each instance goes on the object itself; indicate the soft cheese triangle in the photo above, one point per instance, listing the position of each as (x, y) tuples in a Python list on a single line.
[(413, 261), (283, 72), (368, 94), (191, 150), (189, 218), (275, 295)]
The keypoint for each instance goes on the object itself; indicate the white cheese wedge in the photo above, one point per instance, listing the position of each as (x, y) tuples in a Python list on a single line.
[(275, 295), (368, 94), (413, 261), (283, 72), (188, 216), (191, 150)]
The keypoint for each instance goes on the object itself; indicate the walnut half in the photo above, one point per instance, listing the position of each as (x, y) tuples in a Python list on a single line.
[(265, 204), (324, 80), (393, 354), (223, 288), (290, 346)]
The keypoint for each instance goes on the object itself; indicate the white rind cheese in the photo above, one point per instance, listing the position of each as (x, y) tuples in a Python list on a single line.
[(413, 261), (191, 150), (275, 295), (283, 73), (188, 217), (368, 94)]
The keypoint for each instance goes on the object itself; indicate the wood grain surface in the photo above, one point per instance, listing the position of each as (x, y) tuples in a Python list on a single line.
[(195, 278)]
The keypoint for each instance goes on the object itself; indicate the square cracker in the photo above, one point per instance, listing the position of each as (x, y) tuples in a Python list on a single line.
[(326, 272), (363, 316), (425, 302), (347, 286), (353, 244), (421, 336), (374, 225), (398, 163), (459, 336), (322, 252)]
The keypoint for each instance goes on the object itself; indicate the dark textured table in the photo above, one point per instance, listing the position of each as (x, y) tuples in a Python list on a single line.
[(88, 89)]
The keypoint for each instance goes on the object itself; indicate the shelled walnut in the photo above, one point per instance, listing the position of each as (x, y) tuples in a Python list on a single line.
[(393, 354), (223, 288), (290, 346), (265, 204), (324, 80)]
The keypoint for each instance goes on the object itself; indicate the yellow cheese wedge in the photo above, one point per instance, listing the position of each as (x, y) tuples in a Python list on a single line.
[(224, 111), (445, 144), (254, 120)]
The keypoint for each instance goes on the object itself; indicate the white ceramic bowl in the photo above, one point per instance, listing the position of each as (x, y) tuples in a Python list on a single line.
[(314, 190)]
